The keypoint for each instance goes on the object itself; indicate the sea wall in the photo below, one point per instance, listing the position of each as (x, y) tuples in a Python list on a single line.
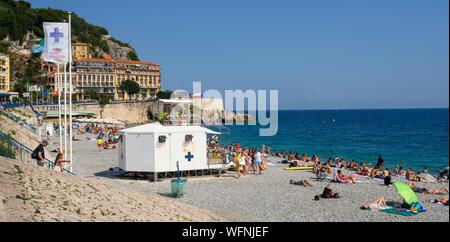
[(136, 112), (130, 112)]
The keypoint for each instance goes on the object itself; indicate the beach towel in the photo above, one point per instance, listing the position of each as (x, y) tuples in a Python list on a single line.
[(415, 209), (399, 211)]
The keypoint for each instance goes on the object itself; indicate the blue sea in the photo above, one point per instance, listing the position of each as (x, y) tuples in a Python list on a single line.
[(417, 137)]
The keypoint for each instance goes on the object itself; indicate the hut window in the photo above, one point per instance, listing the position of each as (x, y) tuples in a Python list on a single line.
[(162, 139), (188, 138)]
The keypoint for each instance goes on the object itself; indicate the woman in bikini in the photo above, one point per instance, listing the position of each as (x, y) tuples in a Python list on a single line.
[(443, 191), (379, 204), (345, 178), (442, 200)]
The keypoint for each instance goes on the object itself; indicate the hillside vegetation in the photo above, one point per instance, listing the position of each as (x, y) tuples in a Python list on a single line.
[(17, 18)]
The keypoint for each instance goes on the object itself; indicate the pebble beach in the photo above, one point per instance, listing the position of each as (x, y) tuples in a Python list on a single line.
[(267, 197)]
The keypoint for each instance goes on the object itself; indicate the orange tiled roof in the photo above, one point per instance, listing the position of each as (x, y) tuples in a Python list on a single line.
[(94, 60), (118, 61), (135, 62)]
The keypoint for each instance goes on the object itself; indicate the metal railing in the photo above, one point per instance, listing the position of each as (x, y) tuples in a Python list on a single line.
[(22, 152), (19, 121), (215, 126)]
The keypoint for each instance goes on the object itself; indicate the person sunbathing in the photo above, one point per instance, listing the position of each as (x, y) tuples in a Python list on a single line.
[(325, 169), (442, 200), (374, 172), (379, 204), (443, 191), (305, 158), (343, 178), (363, 170), (352, 165), (303, 183), (410, 175), (330, 162)]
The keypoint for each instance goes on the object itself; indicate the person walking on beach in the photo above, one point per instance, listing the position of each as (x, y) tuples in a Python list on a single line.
[(248, 162), (237, 159), (380, 162), (257, 162), (99, 143), (39, 153)]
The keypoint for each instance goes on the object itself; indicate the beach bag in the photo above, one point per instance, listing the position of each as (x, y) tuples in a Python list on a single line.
[(242, 161), (417, 207), (263, 167)]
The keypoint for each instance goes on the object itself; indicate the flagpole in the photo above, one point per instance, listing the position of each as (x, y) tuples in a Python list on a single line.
[(65, 110), (70, 90), (59, 107)]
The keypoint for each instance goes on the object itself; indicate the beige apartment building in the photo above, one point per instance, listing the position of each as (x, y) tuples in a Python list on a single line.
[(105, 75), (80, 51), (147, 74)]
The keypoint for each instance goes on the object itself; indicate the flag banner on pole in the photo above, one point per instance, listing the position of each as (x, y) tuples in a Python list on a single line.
[(37, 46), (56, 42)]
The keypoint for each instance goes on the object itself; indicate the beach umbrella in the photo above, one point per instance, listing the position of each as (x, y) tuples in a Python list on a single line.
[(406, 193)]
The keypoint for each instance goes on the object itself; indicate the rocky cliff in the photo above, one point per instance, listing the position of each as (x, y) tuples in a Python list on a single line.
[(116, 51)]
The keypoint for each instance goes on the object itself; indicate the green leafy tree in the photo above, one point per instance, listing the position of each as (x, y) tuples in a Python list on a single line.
[(102, 100), (90, 94), (4, 47), (132, 55), (164, 94), (130, 87)]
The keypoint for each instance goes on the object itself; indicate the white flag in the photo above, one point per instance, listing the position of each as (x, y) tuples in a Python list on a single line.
[(56, 42)]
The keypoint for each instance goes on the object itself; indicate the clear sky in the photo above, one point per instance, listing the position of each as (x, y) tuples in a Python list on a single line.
[(319, 54)]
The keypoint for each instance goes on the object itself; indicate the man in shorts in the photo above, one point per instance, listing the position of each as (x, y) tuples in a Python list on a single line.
[(257, 162)]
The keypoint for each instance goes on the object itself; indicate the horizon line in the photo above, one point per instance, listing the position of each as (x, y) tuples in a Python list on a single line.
[(348, 109)]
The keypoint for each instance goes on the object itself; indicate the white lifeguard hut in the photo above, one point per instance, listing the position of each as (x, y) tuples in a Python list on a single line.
[(154, 148)]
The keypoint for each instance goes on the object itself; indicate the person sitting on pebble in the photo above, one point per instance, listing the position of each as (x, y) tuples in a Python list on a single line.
[(59, 161), (343, 178), (352, 165), (328, 193)]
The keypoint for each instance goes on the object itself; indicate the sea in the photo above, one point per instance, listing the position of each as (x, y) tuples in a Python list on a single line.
[(412, 138)]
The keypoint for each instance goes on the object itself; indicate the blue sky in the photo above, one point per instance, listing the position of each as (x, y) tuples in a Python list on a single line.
[(321, 54)]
